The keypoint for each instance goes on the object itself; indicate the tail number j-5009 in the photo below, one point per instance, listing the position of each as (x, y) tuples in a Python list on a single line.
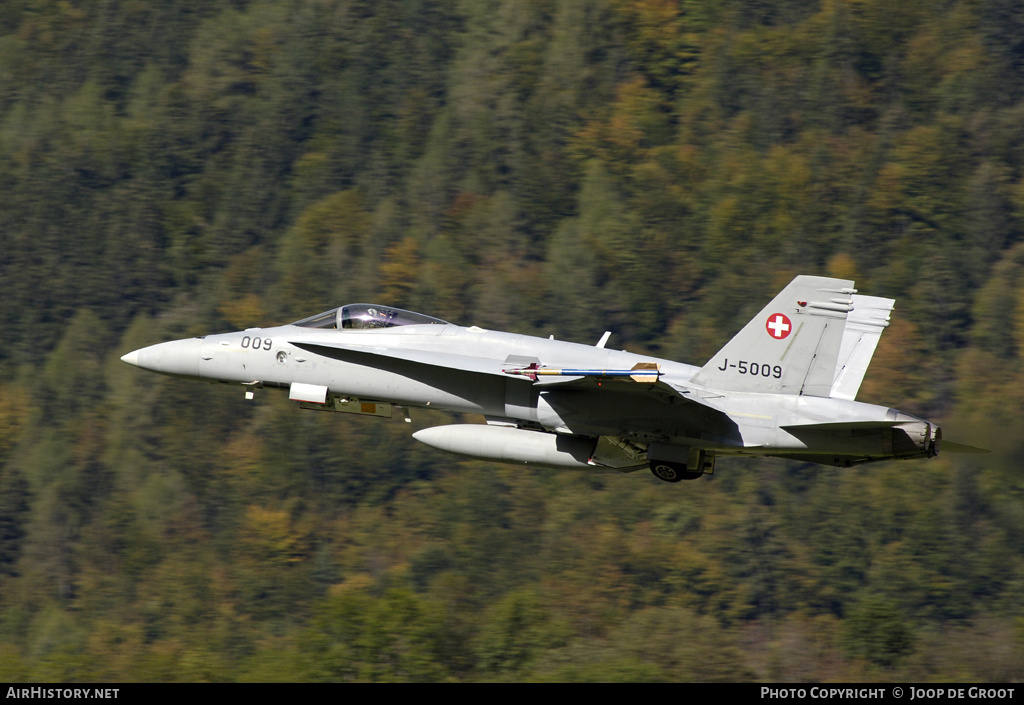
[(756, 369)]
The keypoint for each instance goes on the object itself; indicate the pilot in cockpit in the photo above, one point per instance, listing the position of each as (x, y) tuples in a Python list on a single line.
[(366, 316)]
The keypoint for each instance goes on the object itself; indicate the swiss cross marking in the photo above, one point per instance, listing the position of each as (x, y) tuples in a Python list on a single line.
[(778, 326)]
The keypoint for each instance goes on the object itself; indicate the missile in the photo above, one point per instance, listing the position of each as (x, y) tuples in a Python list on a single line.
[(640, 372), (510, 445)]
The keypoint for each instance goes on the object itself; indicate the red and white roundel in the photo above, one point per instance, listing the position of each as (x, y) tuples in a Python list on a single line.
[(778, 326)]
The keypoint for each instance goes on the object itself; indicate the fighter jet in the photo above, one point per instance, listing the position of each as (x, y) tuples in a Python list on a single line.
[(784, 386)]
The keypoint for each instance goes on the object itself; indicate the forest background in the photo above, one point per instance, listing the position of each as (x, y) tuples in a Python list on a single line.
[(656, 168)]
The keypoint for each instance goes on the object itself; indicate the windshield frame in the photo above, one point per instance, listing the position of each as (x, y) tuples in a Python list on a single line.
[(367, 317)]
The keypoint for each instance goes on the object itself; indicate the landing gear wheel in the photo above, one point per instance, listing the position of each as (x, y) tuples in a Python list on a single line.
[(672, 472)]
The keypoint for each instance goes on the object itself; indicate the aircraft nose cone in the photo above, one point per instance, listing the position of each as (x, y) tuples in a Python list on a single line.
[(177, 357)]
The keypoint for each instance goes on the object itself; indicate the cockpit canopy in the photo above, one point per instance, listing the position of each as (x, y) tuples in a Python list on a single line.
[(363, 316)]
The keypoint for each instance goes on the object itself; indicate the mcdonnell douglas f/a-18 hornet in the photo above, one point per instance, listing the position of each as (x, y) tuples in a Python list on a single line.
[(783, 387)]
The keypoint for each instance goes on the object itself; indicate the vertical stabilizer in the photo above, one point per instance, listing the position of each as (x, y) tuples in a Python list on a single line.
[(791, 346), (864, 326)]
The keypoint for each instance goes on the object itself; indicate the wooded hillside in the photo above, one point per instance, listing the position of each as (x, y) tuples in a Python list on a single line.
[(657, 168)]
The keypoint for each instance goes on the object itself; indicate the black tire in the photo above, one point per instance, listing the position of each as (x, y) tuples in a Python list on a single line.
[(668, 472), (673, 472)]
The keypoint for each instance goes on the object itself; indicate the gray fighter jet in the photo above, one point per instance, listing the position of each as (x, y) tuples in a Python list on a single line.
[(783, 387)]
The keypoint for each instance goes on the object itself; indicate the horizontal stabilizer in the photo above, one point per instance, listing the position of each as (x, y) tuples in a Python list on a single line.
[(953, 447)]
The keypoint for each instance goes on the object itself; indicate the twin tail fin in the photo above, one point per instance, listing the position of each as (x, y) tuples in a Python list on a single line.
[(807, 341)]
